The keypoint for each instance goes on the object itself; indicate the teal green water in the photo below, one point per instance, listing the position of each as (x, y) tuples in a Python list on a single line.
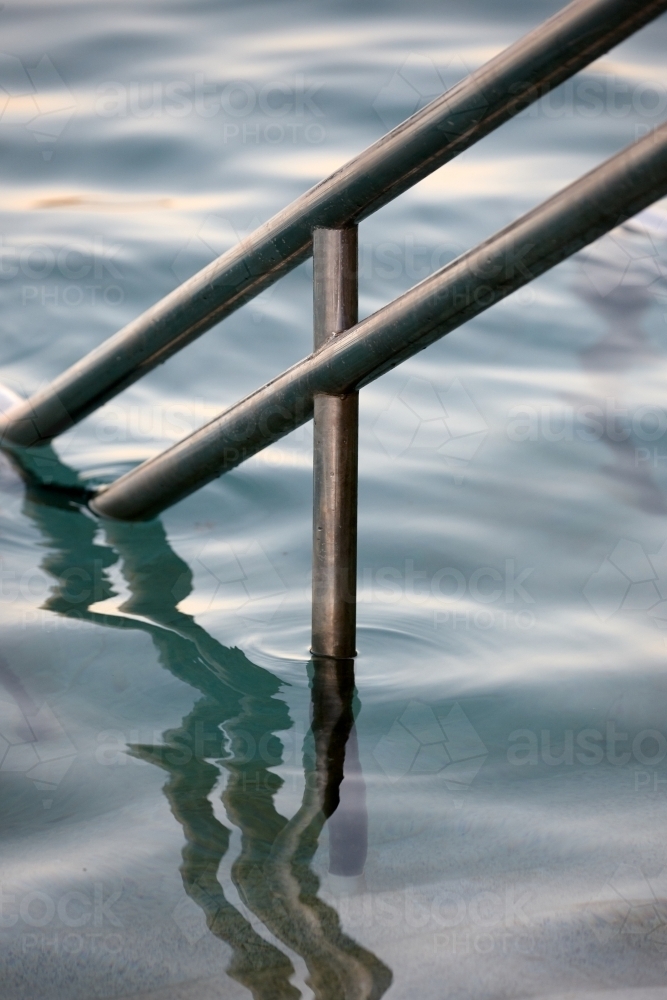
[(190, 807)]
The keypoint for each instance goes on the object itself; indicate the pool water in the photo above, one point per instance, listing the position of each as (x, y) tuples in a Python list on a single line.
[(164, 738)]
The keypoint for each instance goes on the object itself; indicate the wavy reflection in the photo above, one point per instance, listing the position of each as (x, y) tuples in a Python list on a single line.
[(231, 729)]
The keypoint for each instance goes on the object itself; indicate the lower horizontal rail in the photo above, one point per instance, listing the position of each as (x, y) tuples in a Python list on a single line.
[(542, 238)]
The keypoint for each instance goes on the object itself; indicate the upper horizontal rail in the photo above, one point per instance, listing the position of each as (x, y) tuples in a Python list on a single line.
[(548, 55), (573, 218)]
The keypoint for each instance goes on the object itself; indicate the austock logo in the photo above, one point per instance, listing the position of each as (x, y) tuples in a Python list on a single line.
[(423, 417), (35, 98), (70, 275), (190, 920), (239, 578), (214, 237), (416, 83), (276, 112), (630, 580), (33, 742), (631, 906), (632, 256), (427, 742), (74, 908)]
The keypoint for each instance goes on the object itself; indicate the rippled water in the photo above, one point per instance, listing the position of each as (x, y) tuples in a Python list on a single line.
[(501, 823)]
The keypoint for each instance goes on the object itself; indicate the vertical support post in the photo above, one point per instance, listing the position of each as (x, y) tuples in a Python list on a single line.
[(336, 429)]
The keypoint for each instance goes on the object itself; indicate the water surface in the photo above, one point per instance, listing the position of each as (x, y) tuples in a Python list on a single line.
[(174, 823)]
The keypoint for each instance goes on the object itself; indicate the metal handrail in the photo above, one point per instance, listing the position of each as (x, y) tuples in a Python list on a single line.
[(535, 64), (545, 236)]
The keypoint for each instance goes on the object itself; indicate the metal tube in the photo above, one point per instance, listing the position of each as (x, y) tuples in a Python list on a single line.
[(573, 218), (535, 64), (335, 449)]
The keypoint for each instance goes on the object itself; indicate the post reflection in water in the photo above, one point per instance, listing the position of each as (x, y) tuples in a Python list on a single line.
[(231, 727)]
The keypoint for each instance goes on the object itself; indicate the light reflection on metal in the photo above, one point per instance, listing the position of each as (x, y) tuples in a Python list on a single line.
[(335, 451), (570, 220), (569, 41)]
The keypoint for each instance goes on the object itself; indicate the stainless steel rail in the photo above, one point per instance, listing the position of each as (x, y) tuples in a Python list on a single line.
[(335, 449), (574, 217), (563, 45)]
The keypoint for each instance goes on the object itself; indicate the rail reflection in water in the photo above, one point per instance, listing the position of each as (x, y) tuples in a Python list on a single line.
[(273, 874)]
